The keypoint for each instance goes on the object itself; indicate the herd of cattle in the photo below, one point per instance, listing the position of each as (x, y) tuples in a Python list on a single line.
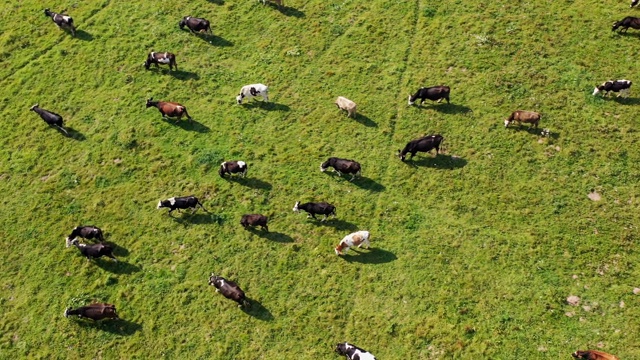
[(229, 289)]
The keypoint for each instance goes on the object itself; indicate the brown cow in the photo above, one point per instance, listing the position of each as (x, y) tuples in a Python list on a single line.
[(169, 109), (593, 355), (254, 220), (521, 116), (95, 312)]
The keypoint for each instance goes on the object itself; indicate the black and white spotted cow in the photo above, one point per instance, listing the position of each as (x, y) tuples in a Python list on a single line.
[(229, 289), (253, 90), (634, 3), (161, 58), (623, 87), (181, 203), (233, 167), (85, 232), (94, 251), (353, 352), (195, 24), (50, 118), (63, 21)]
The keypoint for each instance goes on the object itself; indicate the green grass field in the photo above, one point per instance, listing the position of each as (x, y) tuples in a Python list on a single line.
[(474, 252)]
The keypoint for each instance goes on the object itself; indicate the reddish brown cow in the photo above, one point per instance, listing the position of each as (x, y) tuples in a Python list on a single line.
[(94, 312), (521, 116), (593, 355), (169, 109), (255, 220)]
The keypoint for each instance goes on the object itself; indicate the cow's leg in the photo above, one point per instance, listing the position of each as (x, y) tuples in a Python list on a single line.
[(412, 155), (112, 257), (439, 100), (265, 227), (308, 215), (353, 176), (324, 218), (313, 215)]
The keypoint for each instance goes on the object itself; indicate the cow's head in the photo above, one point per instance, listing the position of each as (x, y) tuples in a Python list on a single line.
[(506, 122), (324, 166), (401, 155), (616, 25), (597, 89), (412, 99), (47, 12), (214, 280), (33, 108), (239, 98), (183, 22), (149, 102), (342, 348), (222, 169), (634, 3), (581, 354), (66, 312), (162, 203), (295, 207), (147, 63)]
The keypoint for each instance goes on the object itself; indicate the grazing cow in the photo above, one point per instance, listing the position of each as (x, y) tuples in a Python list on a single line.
[(233, 167), (278, 2), (95, 312), (345, 104), (312, 209), (434, 93), (621, 86), (424, 144), (342, 166), (85, 232), (358, 238), (161, 58), (195, 24), (253, 90), (593, 355), (229, 289), (626, 23), (353, 352), (521, 116), (95, 250), (254, 220), (169, 109), (634, 3), (180, 203), (49, 117), (63, 21)]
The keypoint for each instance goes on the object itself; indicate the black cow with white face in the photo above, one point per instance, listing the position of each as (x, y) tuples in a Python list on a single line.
[(50, 118), (626, 23), (342, 166), (623, 87), (63, 21), (233, 167), (312, 209), (424, 144), (85, 232), (181, 203), (434, 93), (195, 24), (353, 352), (229, 289), (94, 251)]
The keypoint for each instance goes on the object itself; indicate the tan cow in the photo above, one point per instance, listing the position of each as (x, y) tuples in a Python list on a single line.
[(358, 238), (345, 104), (521, 116)]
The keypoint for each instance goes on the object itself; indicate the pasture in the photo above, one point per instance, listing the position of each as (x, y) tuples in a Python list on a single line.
[(474, 252)]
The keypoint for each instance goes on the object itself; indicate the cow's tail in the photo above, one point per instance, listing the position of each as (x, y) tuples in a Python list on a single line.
[(63, 130), (205, 210)]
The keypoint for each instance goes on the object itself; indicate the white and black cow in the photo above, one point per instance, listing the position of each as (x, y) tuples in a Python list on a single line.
[(50, 118), (312, 209), (195, 24), (424, 144), (634, 3), (233, 167), (253, 90), (626, 23), (353, 352), (94, 250), (434, 93), (85, 232), (622, 87), (63, 21), (161, 58), (184, 202), (342, 166), (229, 289)]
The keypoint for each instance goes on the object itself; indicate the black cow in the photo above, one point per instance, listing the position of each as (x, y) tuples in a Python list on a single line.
[(424, 144), (254, 220), (353, 352), (622, 86), (85, 232), (161, 58), (50, 118), (229, 289), (233, 167), (95, 250), (342, 166), (94, 312), (195, 24), (184, 202), (63, 21), (312, 209), (634, 3), (434, 93), (626, 23)]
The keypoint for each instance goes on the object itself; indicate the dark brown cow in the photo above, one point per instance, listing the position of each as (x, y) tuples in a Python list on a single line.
[(434, 93), (95, 312), (254, 220), (169, 109), (229, 289), (342, 166), (161, 58), (626, 23), (593, 355), (521, 116)]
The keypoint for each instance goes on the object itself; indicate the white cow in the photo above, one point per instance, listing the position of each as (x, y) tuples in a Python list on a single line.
[(253, 90), (358, 238), (345, 104)]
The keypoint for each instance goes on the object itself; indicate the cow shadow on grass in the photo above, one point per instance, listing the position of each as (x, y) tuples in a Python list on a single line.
[(119, 267), (626, 101), (183, 75), (368, 184), (439, 162), (364, 120), (215, 40), (448, 108), (199, 218), (338, 224), (289, 11), (250, 182), (71, 133), (269, 106), (257, 310), (118, 251), (188, 125), (83, 35), (114, 326), (219, 2), (371, 256), (273, 235), (534, 131)]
